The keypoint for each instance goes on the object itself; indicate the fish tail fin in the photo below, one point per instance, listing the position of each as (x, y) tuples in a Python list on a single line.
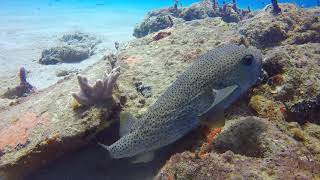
[(106, 148), (127, 122)]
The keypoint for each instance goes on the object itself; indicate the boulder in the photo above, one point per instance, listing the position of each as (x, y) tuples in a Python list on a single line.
[(63, 54), (152, 24), (72, 47), (251, 148), (197, 11), (48, 124)]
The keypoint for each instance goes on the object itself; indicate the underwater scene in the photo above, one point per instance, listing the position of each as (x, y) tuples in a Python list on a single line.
[(159, 89)]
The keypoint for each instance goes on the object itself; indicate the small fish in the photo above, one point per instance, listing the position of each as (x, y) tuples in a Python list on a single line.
[(214, 81)]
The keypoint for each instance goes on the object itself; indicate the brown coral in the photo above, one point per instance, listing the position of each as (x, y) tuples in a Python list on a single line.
[(101, 91)]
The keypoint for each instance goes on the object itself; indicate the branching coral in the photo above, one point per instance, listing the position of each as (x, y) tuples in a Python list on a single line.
[(99, 92)]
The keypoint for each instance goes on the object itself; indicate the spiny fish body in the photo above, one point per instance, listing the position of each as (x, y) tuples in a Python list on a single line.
[(215, 80)]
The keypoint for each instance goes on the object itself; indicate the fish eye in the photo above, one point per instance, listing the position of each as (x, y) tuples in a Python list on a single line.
[(247, 60)]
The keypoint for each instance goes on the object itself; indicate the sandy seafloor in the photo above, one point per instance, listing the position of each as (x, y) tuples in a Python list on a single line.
[(23, 36)]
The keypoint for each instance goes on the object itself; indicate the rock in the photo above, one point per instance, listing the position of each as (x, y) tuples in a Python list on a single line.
[(23, 89), (304, 111), (143, 89), (251, 137), (266, 29), (229, 14), (48, 124), (276, 62), (267, 108), (289, 153), (197, 11), (72, 48), (278, 156), (161, 35), (152, 24), (63, 54)]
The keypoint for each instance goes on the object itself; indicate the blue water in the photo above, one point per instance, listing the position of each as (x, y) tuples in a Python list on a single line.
[(137, 4), (140, 5)]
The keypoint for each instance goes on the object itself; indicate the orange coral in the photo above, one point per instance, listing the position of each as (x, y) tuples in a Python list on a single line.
[(18, 133), (213, 134)]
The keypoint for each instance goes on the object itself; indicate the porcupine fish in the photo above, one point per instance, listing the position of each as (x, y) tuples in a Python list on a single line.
[(209, 85)]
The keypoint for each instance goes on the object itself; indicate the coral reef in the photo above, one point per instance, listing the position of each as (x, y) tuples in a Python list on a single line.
[(294, 25), (23, 89), (42, 127), (73, 47), (252, 137), (275, 147), (101, 91), (307, 110), (152, 24), (163, 18), (197, 11), (63, 54), (250, 148)]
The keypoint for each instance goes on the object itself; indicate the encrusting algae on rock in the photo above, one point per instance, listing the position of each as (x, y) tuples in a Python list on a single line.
[(270, 146)]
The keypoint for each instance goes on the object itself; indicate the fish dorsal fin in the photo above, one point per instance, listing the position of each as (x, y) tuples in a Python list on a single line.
[(143, 158), (127, 122), (219, 96)]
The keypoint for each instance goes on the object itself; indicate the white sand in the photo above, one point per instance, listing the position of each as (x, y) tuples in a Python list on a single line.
[(26, 31)]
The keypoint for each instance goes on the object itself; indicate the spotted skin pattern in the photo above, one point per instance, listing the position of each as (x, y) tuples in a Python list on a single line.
[(177, 110)]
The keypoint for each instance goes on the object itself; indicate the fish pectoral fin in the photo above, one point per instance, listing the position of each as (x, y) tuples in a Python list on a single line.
[(143, 158), (219, 96), (127, 122)]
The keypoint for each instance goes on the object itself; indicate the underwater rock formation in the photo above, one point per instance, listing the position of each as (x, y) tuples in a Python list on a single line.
[(72, 48), (248, 148), (163, 18), (63, 54), (294, 26), (23, 89), (251, 148), (307, 110), (152, 24), (143, 89), (197, 11), (252, 137), (48, 124), (101, 91)]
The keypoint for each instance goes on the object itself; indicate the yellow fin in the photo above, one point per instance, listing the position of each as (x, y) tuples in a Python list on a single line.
[(214, 120)]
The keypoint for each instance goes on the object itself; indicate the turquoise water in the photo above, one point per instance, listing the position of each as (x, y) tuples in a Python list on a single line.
[(143, 5)]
